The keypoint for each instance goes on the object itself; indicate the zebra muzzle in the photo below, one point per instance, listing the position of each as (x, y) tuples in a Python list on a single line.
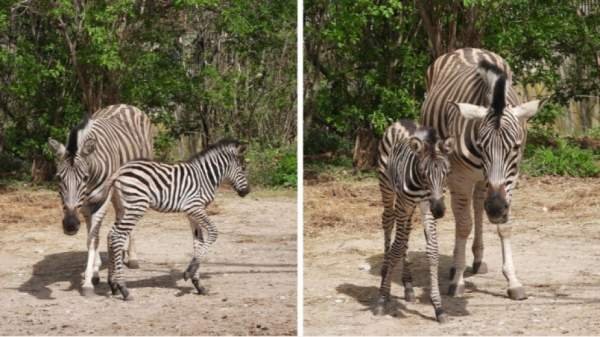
[(71, 223), (437, 208)]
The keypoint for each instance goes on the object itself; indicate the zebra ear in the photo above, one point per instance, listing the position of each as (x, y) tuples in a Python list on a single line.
[(470, 111), (242, 148), (447, 146), (56, 147), (526, 110), (88, 146), (415, 144)]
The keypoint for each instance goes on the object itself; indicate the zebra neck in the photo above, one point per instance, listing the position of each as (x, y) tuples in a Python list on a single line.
[(211, 171)]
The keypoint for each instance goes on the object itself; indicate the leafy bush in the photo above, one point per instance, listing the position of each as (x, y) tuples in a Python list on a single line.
[(319, 140), (272, 166), (564, 159)]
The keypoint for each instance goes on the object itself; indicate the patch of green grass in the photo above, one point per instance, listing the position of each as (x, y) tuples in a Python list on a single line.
[(562, 160), (272, 166)]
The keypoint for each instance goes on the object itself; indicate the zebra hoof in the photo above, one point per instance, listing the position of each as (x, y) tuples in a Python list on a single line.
[(380, 307), (480, 268), (409, 295), (113, 287), (441, 316), (452, 273), (456, 290), (132, 264), (517, 293), (200, 289), (123, 290), (87, 291), (95, 280)]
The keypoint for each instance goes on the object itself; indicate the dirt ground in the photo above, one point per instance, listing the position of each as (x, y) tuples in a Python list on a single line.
[(556, 249), (250, 272)]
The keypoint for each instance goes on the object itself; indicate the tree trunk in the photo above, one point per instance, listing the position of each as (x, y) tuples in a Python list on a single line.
[(364, 156), (41, 170)]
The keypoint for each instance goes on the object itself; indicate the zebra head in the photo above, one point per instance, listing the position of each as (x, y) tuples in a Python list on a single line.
[(433, 166), (73, 173), (237, 170), (500, 138)]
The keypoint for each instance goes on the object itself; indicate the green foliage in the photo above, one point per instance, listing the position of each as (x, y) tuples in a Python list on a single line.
[(272, 166), (366, 60), (321, 141), (211, 68), (564, 159)]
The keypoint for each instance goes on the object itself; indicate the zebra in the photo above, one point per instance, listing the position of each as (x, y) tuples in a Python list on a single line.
[(95, 149), (413, 165), (469, 97), (187, 187)]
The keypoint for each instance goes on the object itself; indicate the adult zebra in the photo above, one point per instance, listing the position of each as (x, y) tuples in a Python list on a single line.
[(187, 187), (413, 165), (469, 97), (95, 149)]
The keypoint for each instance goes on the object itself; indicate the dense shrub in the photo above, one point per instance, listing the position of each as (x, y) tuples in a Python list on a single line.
[(563, 159), (272, 166)]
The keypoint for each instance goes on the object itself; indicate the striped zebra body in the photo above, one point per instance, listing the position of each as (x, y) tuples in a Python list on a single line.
[(95, 149), (187, 187), (413, 165), (469, 97)]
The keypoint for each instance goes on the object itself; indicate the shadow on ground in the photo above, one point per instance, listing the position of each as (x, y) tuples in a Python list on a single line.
[(419, 267), (69, 266)]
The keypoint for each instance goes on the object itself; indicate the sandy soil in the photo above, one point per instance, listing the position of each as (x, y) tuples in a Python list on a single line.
[(250, 272), (556, 248)]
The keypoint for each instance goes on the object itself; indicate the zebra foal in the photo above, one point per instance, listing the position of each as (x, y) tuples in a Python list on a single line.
[(413, 165), (95, 149), (187, 187)]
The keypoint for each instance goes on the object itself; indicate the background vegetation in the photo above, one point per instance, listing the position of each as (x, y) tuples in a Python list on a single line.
[(366, 61), (202, 69)]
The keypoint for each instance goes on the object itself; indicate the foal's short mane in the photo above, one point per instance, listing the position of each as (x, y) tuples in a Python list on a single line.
[(223, 143)]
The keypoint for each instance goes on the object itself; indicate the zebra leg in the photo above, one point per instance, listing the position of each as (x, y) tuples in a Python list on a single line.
[(93, 222), (461, 194), (128, 214), (409, 292), (479, 267), (516, 291), (131, 260), (433, 257), (395, 254), (199, 220), (116, 245), (388, 217)]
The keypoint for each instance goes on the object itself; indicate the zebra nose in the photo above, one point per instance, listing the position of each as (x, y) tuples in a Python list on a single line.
[(496, 207), (70, 223), (243, 192), (437, 208)]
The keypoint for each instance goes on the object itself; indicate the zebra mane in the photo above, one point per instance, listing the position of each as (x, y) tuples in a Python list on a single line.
[(223, 143), (496, 80), (73, 141), (428, 135)]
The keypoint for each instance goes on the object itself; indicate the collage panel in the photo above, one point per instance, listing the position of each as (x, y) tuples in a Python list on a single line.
[(148, 168), (451, 168)]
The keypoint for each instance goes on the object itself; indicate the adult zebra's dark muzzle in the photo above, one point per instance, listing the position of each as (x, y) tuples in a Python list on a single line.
[(496, 206), (70, 223)]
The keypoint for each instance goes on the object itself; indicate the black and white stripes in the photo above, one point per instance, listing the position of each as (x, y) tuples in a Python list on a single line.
[(95, 149), (185, 187), (413, 165), (469, 97)]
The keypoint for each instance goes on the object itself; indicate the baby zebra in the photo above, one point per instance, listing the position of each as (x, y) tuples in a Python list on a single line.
[(413, 165), (184, 187)]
